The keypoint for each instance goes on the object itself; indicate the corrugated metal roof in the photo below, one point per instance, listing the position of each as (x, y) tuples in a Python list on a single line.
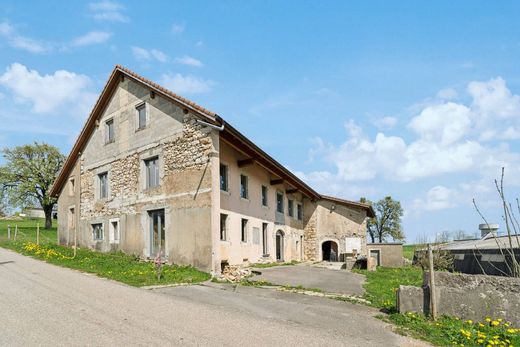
[(489, 243)]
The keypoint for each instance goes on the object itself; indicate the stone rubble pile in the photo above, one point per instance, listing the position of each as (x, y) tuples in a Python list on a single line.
[(234, 274)]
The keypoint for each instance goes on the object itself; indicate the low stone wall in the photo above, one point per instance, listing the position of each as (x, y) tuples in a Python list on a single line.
[(465, 296)]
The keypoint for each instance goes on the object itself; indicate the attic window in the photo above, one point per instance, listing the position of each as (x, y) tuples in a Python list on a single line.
[(141, 116), (109, 131)]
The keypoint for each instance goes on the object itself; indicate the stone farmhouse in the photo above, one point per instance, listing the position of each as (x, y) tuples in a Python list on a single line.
[(153, 172)]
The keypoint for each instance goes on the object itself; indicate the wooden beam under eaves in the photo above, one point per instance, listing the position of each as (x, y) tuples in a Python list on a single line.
[(245, 162), (276, 182), (291, 191)]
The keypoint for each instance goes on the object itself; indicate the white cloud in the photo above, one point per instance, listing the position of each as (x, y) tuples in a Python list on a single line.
[(492, 99), (186, 84), (444, 123), (187, 60), (22, 42), (386, 122), (178, 28), (143, 54), (437, 198), (45, 93), (108, 11), (446, 138), (91, 38)]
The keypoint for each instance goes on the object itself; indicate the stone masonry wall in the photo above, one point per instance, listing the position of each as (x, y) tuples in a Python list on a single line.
[(187, 151), (310, 248)]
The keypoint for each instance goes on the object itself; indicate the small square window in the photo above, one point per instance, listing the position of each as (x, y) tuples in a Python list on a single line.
[(223, 227), (224, 186), (264, 196), (109, 131), (279, 202), (290, 207), (97, 232), (103, 185), (141, 116), (244, 193), (152, 172), (243, 234)]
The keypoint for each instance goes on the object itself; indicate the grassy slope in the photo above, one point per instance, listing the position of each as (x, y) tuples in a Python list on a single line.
[(27, 230), (114, 265), (381, 285)]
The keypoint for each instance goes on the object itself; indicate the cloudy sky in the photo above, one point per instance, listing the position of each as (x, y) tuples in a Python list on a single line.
[(417, 101)]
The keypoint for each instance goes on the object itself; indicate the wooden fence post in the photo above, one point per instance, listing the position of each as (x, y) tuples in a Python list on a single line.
[(433, 298), (15, 231), (38, 233), (8, 232)]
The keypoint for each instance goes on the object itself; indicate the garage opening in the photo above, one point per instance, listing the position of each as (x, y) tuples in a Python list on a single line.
[(329, 250)]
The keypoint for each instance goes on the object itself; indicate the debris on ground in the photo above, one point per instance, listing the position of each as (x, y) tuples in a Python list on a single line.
[(234, 273)]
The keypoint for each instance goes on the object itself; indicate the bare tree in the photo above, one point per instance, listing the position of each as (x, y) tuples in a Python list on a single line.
[(512, 230)]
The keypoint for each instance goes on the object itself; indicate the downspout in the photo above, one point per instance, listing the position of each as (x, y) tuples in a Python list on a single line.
[(213, 126)]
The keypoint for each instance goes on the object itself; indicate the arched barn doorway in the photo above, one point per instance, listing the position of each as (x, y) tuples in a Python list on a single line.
[(279, 246), (329, 251)]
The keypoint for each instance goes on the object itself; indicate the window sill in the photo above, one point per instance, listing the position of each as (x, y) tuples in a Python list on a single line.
[(110, 142), (226, 192), (140, 129), (265, 207), (151, 189), (244, 199), (226, 242)]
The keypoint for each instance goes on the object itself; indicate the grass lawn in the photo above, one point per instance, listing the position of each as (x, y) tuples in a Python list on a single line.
[(381, 286), (114, 265), (27, 229), (409, 250)]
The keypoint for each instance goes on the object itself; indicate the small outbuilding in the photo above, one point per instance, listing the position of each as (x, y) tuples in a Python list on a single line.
[(386, 254)]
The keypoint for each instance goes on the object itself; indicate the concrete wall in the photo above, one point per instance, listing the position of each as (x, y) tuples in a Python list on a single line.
[(328, 221), (391, 254), (184, 149), (466, 296), (233, 250)]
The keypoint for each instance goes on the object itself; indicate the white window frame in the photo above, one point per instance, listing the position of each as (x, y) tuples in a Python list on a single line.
[(111, 233)]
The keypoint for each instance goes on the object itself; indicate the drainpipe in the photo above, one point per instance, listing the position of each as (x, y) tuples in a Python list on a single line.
[(213, 126)]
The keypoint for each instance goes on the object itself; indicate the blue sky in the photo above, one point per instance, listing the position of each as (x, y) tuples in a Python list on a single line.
[(417, 100)]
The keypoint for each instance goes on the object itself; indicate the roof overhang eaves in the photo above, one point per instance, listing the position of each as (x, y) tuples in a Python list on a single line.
[(232, 135)]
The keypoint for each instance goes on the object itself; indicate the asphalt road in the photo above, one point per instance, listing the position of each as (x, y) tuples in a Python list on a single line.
[(331, 281), (41, 304)]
